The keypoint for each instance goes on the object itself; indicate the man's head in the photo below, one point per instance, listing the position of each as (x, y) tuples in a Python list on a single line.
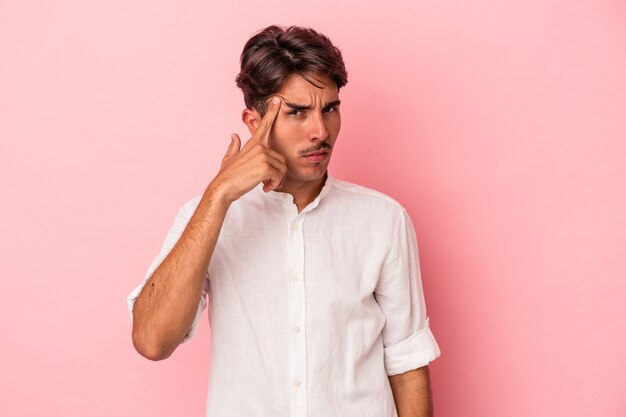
[(275, 53), (307, 71)]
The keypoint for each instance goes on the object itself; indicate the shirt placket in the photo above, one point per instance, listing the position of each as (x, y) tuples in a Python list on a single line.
[(297, 340)]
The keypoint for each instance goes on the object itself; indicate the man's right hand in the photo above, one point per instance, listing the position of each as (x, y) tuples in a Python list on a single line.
[(244, 168)]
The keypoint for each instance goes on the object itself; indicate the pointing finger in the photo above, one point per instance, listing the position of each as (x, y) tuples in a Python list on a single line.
[(263, 132)]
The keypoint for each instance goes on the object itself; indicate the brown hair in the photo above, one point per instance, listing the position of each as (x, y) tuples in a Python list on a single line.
[(273, 54)]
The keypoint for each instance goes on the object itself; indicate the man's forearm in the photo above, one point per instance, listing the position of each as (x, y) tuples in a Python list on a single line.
[(167, 305), (411, 393)]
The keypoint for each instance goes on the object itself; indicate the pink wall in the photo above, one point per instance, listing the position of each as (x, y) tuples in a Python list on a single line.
[(501, 126)]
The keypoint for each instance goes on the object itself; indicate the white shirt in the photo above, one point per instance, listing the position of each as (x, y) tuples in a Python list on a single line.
[(310, 312)]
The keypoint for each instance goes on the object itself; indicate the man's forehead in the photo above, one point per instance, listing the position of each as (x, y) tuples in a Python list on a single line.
[(302, 92)]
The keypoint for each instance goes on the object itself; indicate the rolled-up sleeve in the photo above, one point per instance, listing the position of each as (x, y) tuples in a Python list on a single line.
[(407, 339), (174, 233)]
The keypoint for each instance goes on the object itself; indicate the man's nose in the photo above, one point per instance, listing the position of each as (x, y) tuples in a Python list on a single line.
[(318, 130)]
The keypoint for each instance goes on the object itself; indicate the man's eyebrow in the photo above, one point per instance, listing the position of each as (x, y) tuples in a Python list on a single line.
[(295, 106)]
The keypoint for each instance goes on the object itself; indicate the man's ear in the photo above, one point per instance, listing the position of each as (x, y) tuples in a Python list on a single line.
[(251, 118)]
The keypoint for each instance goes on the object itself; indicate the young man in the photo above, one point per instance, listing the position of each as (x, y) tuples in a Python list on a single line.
[(315, 299)]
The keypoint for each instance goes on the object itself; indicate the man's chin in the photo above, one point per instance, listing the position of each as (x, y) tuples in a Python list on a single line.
[(314, 173), (308, 175)]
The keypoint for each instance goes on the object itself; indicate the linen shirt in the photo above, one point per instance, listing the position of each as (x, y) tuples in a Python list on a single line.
[(310, 312)]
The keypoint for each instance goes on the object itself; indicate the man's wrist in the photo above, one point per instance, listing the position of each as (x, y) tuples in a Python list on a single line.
[(218, 193)]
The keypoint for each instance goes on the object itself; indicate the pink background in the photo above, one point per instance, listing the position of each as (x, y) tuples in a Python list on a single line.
[(500, 126)]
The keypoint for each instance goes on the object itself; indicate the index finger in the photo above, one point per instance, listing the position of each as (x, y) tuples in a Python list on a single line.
[(262, 133)]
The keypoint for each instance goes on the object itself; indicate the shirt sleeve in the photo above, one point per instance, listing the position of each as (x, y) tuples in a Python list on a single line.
[(174, 233), (407, 339)]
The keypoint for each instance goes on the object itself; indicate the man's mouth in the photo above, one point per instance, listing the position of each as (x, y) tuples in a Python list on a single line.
[(317, 153), (318, 156)]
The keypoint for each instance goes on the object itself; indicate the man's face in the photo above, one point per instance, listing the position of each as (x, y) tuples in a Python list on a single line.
[(307, 125)]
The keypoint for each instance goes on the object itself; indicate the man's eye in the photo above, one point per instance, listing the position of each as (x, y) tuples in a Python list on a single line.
[(295, 112), (330, 109)]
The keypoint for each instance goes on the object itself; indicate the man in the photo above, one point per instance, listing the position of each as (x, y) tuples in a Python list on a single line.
[(315, 299)]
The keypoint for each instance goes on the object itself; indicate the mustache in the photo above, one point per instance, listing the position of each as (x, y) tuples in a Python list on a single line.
[(315, 149)]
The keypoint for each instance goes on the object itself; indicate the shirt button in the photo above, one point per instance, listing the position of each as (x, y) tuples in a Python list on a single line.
[(296, 329), (294, 226), (294, 277), (297, 382)]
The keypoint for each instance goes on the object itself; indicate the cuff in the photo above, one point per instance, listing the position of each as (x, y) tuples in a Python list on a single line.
[(415, 351), (196, 321)]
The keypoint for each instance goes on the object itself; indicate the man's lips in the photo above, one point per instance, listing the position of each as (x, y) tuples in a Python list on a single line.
[(318, 156), (316, 153)]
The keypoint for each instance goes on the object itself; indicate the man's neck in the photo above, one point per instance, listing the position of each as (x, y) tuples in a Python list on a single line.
[(303, 192)]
